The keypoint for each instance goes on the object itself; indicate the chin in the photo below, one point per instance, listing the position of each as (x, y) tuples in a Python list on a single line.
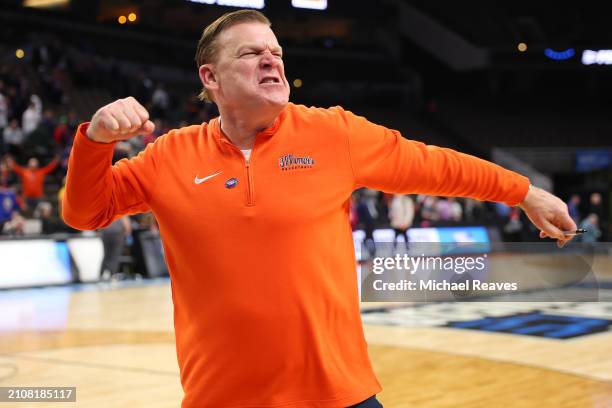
[(276, 100)]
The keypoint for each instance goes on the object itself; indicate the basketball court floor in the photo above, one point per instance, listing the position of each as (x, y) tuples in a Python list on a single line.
[(115, 344)]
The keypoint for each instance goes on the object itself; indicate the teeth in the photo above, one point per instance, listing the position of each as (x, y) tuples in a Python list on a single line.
[(269, 81)]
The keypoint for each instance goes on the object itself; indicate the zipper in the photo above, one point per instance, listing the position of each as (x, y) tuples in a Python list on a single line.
[(247, 163), (250, 194), (250, 202)]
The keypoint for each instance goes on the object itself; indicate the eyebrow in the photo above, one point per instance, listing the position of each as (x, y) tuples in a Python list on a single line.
[(258, 48)]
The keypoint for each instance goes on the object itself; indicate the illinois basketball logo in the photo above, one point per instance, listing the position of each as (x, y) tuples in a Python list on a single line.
[(291, 162)]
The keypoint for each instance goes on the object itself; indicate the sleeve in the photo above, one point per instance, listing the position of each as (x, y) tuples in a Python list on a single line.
[(96, 192), (382, 159), (50, 167), (17, 168)]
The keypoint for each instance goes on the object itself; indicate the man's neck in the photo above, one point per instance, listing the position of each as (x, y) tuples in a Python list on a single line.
[(241, 128)]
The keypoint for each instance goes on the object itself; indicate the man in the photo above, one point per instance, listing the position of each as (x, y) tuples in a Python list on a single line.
[(9, 208), (401, 215), (7, 177), (573, 208), (31, 116), (591, 225), (33, 179), (113, 240), (13, 138), (253, 211)]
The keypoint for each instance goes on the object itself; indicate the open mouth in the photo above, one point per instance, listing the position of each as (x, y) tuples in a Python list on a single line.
[(270, 80)]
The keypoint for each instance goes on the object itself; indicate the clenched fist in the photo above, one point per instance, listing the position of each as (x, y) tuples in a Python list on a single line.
[(119, 120)]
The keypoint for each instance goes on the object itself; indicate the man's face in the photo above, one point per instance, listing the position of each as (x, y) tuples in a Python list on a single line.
[(249, 68)]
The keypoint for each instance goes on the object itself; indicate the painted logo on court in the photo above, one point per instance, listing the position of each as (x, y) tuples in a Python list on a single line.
[(537, 324), (549, 320)]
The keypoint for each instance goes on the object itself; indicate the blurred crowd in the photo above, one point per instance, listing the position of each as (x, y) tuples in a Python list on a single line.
[(590, 216), (372, 209), (38, 121)]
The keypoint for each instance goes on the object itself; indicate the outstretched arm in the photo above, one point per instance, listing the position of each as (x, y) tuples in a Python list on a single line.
[(13, 165), (383, 159), (51, 166)]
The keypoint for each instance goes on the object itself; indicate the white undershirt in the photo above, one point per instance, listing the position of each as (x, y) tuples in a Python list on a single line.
[(247, 154)]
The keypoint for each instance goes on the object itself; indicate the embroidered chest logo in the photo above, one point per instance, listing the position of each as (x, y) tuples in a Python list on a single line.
[(291, 162)]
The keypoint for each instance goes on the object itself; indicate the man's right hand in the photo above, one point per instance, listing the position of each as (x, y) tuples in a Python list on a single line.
[(119, 120), (549, 214)]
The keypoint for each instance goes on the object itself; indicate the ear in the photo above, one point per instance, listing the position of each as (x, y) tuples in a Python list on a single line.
[(208, 78)]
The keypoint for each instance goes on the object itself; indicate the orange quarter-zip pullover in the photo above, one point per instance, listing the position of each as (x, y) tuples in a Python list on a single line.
[(260, 253)]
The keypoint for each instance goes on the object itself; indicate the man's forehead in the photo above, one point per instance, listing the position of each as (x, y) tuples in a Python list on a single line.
[(249, 33)]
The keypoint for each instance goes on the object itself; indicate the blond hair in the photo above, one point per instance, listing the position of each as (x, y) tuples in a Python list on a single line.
[(207, 46)]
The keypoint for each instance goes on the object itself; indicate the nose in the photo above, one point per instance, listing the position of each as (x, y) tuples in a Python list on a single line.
[(268, 60)]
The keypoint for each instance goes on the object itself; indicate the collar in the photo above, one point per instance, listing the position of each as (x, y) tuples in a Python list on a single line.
[(217, 132)]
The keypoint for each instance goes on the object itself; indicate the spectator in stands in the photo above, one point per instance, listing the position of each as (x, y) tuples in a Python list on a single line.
[(160, 101), (143, 87), (134, 145), (401, 215), (448, 210), (50, 223), (62, 134), (429, 213), (591, 225), (39, 143), (148, 222), (502, 211), (13, 138), (17, 102), (456, 209), (444, 209), (596, 207), (48, 122), (573, 207), (514, 227), (31, 117), (7, 177), (114, 238), (3, 109), (64, 157), (35, 99), (33, 179), (474, 211), (10, 220), (368, 213)]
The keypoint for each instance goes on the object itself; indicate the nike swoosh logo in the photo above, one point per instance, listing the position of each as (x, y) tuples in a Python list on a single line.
[(203, 179)]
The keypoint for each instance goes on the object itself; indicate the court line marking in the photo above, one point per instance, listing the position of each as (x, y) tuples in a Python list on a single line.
[(497, 360), (60, 361)]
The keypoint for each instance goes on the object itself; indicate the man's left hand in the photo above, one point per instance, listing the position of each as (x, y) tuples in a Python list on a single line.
[(549, 214)]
